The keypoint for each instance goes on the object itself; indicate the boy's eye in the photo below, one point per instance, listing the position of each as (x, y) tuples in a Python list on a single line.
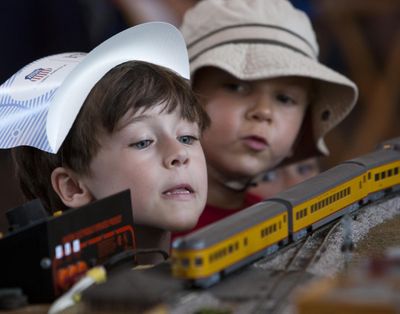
[(237, 87), (187, 139), (306, 168), (285, 99), (141, 144)]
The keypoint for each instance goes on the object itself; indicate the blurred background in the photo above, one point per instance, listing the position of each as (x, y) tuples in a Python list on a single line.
[(359, 38)]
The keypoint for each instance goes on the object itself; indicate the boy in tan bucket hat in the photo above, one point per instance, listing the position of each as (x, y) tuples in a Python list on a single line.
[(254, 66)]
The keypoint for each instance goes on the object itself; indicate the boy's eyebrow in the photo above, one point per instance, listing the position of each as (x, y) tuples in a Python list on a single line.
[(132, 119)]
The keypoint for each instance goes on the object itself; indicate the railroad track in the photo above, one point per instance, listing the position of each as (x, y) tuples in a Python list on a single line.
[(305, 252), (310, 249)]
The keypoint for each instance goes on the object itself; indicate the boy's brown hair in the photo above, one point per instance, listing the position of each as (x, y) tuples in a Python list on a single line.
[(130, 86)]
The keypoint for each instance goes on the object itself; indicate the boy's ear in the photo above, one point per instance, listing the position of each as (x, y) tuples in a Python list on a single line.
[(71, 190)]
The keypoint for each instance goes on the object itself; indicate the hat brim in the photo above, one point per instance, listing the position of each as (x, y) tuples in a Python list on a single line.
[(156, 42), (335, 94), (39, 104)]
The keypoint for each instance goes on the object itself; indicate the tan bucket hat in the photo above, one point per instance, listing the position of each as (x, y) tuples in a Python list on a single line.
[(261, 39)]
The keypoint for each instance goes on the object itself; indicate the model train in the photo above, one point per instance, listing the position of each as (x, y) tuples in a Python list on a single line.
[(204, 256)]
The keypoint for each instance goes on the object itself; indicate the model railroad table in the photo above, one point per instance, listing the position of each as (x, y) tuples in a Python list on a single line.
[(266, 286)]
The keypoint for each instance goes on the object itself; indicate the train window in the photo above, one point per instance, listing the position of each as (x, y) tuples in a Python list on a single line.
[(245, 241), (230, 248), (348, 191), (396, 171), (198, 261), (185, 262), (364, 179), (376, 176), (274, 228), (389, 172), (284, 218), (383, 175), (236, 245)]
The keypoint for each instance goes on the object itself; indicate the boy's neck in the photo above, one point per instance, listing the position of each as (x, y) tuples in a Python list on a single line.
[(222, 195), (151, 238)]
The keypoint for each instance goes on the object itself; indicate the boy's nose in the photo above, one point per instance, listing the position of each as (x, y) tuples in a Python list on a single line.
[(177, 156), (261, 110)]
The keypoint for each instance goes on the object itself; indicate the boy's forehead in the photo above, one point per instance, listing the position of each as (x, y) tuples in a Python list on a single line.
[(217, 74), (141, 114)]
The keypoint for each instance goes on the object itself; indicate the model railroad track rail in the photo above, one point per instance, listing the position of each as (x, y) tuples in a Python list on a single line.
[(311, 249), (305, 253)]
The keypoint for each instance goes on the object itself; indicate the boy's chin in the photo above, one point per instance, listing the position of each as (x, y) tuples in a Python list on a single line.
[(182, 225)]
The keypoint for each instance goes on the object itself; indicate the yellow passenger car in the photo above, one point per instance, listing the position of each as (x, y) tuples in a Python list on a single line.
[(382, 172), (235, 241), (323, 198)]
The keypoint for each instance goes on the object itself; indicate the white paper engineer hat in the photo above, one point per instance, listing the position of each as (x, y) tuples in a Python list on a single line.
[(39, 104)]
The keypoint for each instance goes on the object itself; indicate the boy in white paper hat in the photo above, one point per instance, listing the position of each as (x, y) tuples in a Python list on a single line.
[(122, 116), (254, 65)]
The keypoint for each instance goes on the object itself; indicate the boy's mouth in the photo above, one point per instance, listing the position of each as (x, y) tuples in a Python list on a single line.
[(255, 142), (181, 189)]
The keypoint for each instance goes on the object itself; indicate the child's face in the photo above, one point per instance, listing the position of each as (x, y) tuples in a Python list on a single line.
[(159, 157), (253, 123), (282, 178)]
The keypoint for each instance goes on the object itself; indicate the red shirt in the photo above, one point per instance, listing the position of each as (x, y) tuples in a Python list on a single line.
[(212, 214)]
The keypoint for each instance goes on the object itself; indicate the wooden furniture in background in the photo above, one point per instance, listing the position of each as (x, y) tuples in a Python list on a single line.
[(365, 34)]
